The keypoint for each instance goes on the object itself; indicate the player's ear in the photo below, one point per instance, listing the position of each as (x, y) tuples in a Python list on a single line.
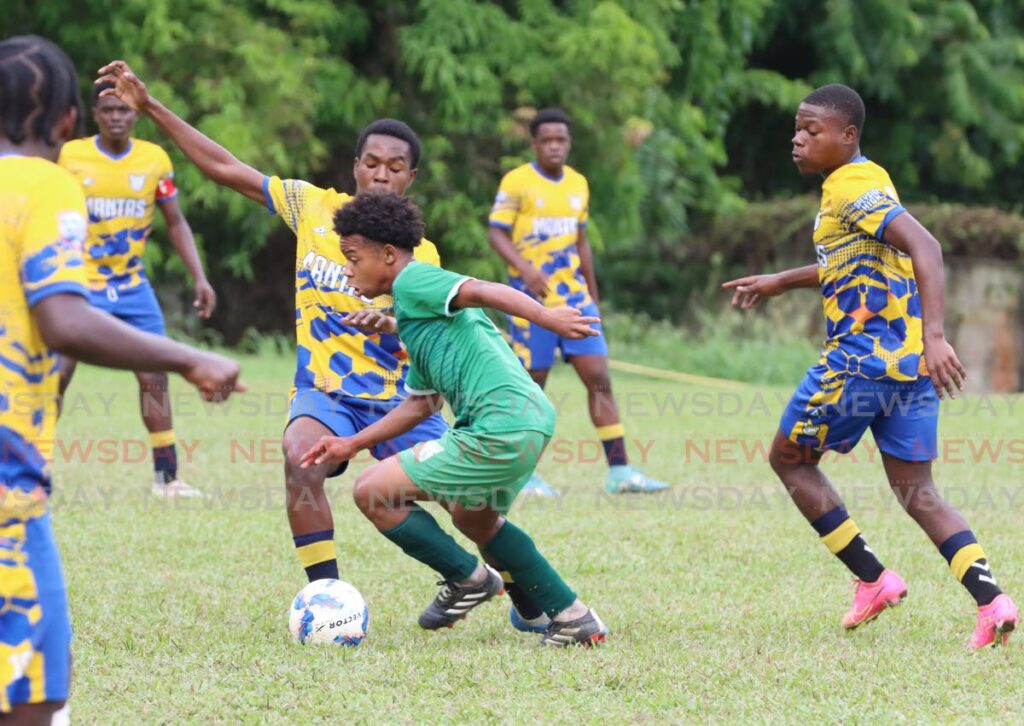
[(851, 135)]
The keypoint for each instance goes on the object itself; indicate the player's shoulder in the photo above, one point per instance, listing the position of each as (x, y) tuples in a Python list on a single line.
[(862, 173), (518, 174), (148, 150), (38, 174), (77, 148), (426, 251), (572, 175)]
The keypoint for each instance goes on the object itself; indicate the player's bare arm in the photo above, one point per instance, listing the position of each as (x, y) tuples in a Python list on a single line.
[(180, 235), (750, 290), (371, 321), (536, 281), (216, 162), (908, 235), (70, 325), (567, 321), (587, 264), (406, 416)]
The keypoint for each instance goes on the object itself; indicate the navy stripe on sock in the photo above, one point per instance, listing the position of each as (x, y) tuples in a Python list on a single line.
[(830, 520), (304, 539), (954, 544)]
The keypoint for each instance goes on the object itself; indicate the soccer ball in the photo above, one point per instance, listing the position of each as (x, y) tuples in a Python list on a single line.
[(329, 611)]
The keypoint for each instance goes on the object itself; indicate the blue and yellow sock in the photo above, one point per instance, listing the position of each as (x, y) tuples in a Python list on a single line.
[(970, 567), (165, 454), (316, 554), (613, 439), (842, 537)]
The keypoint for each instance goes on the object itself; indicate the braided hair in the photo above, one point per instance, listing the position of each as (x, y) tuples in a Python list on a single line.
[(38, 84)]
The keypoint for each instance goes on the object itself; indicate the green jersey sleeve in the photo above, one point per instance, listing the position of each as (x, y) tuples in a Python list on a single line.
[(426, 291), (416, 385)]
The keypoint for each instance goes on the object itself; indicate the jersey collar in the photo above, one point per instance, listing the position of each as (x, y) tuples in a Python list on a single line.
[(549, 178), (115, 157)]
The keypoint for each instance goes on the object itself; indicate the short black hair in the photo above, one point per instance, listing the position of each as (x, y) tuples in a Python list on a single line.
[(839, 98), (98, 89), (381, 217), (38, 84), (549, 116), (396, 129)]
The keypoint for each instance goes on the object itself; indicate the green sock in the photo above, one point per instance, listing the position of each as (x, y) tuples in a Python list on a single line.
[(421, 538), (514, 549)]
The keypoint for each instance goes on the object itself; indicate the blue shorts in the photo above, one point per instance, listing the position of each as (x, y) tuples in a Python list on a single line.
[(35, 627), (347, 415), (833, 415), (535, 346), (136, 306)]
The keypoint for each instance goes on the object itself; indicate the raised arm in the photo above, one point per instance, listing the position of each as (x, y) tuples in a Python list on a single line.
[(180, 235), (907, 235), (750, 290), (567, 321), (216, 162)]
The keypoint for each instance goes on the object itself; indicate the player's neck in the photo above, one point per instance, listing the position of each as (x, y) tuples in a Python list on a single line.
[(853, 157), (115, 146), (402, 260), (29, 148)]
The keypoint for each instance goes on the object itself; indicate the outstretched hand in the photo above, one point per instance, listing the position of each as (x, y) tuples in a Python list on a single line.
[(215, 376), (750, 290), (569, 322), (127, 86), (329, 449)]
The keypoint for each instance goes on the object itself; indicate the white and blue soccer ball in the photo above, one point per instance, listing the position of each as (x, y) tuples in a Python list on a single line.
[(329, 611)]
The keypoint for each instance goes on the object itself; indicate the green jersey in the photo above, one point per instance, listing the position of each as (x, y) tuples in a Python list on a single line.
[(462, 356)]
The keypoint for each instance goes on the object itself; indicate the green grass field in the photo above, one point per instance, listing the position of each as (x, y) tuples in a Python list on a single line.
[(722, 604)]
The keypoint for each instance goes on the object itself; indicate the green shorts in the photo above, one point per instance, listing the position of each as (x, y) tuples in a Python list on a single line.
[(475, 469)]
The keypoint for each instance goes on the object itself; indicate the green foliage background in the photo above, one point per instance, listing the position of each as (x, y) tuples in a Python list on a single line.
[(683, 112)]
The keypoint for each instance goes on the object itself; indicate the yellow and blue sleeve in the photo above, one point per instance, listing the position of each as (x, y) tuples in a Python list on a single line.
[(287, 198), (506, 204), (50, 258), (867, 206)]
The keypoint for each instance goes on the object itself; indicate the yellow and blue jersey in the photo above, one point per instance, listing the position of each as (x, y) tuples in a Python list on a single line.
[(871, 303), (544, 216), (42, 230), (334, 357), (121, 193)]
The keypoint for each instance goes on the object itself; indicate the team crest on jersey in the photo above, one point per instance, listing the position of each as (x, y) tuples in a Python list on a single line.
[(137, 181), (576, 202)]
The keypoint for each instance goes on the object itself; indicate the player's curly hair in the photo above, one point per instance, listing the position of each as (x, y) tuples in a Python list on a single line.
[(839, 98), (395, 129), (549, 116), (38, 84), (381, 217)]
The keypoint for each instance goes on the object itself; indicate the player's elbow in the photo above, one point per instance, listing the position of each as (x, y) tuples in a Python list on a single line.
[(60, 322)]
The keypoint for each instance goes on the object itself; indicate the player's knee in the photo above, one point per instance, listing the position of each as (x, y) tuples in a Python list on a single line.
[(295, 477), (477, 524), (365, 496)]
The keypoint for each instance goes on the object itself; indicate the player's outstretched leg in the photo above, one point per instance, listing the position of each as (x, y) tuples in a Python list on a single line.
[(876, 587), (387, 497), (623, 478), (572, 622), (913, 484)]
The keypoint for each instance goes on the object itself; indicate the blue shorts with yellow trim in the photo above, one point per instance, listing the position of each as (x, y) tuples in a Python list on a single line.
[(535, 346), (833, 414), (136, 306), (35, 627), (348, 415)]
